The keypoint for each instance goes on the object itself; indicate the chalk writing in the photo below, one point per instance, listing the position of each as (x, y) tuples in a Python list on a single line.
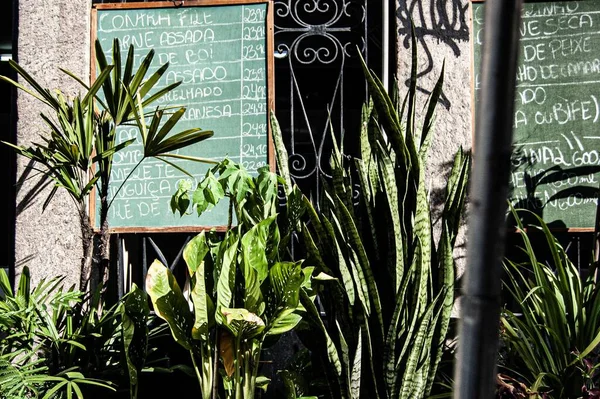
[(219, 53), (556, 160)]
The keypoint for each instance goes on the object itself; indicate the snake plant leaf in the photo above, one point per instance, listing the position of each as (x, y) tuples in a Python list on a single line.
[(447, 277), (356, 242), (135, 313), (194, 254), (322, 240), (242, 323), (356, 369), (365, 142), (169, 303), (414, 381), (423, 231), (411, 130), (386, 169), (333, 356), (416, 301), (429, 120), (311, 248), (342, 188), (386, 113), (456, 193), (280, 151), (394, 331), (368, 199), (294, 211), (370, 354), (345, 357)]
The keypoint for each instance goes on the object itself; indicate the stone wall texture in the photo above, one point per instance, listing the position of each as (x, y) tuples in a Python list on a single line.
[(443, 29), (50, 35)]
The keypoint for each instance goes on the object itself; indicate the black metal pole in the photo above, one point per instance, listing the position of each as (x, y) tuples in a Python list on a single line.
[(475, 370)]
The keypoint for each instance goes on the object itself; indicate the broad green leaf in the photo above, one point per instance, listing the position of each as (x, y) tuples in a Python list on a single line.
[(242, 323), (169, 303), (285, 279), (227, 256), (194, 254), (283, 322), (254, 246), (135, 313)]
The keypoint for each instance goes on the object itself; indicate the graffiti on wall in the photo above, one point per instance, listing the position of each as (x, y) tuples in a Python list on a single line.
[(443, 20)]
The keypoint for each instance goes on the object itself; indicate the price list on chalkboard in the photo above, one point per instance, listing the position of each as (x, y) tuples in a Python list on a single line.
[(556, 155), (219, 53)]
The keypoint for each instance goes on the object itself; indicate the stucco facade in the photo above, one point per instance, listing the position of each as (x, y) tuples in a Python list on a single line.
[(50, 35)]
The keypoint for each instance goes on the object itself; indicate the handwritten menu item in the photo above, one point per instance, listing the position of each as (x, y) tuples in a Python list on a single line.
[(556, 157), (221, 53)]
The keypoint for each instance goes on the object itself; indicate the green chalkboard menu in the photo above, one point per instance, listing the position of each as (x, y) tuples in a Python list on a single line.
[(556, 156), (221, 50)]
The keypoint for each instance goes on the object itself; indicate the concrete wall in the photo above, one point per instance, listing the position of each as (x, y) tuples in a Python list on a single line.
[(51, 34), (443, 30)]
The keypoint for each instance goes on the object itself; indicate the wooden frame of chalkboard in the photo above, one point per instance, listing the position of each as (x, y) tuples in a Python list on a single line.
[(171, 26), (563, 185)]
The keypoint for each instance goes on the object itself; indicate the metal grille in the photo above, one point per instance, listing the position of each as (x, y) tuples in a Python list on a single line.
[(317, 45)]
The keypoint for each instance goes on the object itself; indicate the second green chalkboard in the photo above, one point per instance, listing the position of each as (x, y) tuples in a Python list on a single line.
[(556, 159)]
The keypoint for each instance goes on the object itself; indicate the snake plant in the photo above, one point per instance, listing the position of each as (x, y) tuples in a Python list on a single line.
[(388, 310)]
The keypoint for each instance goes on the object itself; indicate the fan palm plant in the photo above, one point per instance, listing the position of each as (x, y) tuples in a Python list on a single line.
[(77, 153), (41, 343), (52, 346)]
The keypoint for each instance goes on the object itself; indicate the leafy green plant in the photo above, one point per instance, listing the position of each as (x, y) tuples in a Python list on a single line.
[(39, 341), (389, 306), (552, 333), (240, 293), (52, 344), (77, 153)]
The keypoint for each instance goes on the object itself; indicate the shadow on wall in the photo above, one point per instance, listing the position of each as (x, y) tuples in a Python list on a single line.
[(444, 20)]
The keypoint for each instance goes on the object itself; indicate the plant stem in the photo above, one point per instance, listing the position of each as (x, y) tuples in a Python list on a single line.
[(215, 365), (238, 365), (207, 371), (248, 381), (197, 370)]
